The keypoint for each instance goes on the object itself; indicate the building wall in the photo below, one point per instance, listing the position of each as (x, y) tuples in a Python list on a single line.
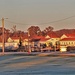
[(9, 44), (67, 43), (13, 40), (63, 36), (53, 40), (9, 40)]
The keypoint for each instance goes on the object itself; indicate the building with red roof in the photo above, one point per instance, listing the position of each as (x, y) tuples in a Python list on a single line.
[(53, 38), (68, 36), (13, 39), (67, 41)]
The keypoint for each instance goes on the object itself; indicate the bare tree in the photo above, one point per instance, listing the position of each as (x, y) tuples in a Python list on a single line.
[(46, 30), (14, 29)]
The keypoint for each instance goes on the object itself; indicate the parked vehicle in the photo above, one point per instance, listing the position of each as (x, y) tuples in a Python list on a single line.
[(9, 47)]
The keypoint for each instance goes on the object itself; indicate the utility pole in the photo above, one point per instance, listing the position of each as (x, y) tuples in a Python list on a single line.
[(3, 47)]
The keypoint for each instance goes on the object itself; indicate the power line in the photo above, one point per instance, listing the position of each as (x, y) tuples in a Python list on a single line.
[(16, 23), (59, 20), (43, 23)]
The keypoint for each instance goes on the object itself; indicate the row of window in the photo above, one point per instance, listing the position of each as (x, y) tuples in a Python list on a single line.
[(67, 43)]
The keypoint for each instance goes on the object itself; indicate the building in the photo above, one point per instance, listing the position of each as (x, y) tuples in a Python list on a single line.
[(68, 36), (53, 38), (67, 42)]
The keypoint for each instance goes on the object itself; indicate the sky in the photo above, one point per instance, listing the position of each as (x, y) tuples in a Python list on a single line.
[(42, 13)]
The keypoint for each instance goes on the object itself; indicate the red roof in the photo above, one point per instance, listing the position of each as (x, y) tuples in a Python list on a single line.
[(25, 36), (52, 35), (35, 37), (70, 35), (68, 39), (15, 38), (44, 39)]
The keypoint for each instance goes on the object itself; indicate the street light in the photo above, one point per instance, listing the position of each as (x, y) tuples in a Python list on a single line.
[(3, 47), (3, 42)]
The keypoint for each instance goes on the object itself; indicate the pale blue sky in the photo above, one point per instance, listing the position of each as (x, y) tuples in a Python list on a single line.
[(34, 12)]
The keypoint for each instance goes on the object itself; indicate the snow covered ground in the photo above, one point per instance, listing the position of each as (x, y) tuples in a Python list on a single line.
[(36, 65)]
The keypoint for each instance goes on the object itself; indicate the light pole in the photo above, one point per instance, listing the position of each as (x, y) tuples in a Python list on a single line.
[(3, 47), (3, 41)]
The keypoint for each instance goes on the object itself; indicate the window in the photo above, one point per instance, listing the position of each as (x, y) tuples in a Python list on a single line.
[(69, 42)]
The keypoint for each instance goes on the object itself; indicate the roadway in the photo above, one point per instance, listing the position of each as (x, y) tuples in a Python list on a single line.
[(21, 64)]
